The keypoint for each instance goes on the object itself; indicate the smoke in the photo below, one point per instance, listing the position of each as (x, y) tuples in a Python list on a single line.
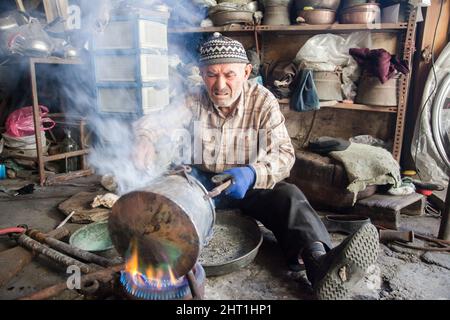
[(113, 144)]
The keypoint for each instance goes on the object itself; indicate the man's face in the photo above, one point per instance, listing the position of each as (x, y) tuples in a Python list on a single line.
[(225, 82)]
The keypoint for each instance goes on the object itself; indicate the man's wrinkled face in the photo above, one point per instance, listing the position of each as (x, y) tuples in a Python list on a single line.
[(225, 82)]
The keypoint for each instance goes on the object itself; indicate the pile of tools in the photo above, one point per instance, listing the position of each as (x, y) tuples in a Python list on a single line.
[(32, 242)]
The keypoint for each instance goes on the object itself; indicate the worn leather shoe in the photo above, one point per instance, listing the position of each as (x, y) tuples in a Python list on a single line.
[(335, 273)]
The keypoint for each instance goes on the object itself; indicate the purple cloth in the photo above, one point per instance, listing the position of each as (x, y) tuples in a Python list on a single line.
[(379, 63)]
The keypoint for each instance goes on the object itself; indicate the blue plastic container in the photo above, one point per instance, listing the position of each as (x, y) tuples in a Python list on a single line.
[(2, 172)]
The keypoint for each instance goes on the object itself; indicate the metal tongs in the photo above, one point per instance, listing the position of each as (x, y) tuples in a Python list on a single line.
[(223, 181)]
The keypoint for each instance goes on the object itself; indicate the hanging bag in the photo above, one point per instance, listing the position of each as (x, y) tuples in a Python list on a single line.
[(20, 122), (304, 95)]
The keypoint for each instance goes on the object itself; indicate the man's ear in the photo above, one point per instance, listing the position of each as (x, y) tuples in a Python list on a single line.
[(248, 71)]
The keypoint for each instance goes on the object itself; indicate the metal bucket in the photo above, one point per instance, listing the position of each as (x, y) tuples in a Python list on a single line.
[(328, 85), (276, 15), (372, 92), (169, 222)]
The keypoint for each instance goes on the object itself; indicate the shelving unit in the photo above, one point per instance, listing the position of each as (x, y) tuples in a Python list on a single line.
[(352, 106), (261, 37), (41, 159), (335, 27)]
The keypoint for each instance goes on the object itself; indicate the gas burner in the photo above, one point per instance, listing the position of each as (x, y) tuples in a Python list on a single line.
[(140, 287)]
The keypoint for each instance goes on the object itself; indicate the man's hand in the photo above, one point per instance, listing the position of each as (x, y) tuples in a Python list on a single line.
[(243, 179), (144, 154)]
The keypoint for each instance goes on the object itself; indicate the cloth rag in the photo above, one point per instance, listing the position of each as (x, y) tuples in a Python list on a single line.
[(379, 63), (367, 165)]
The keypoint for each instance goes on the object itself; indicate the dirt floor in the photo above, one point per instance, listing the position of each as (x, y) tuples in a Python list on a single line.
[(400, 273)]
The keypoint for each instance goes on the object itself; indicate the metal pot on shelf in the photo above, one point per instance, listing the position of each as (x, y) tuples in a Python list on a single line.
[(276, 14), (361, 14), (372, 92), (228, 13), (350, 3), (328, 85), (222, 18), (12, 19), (240, 2), (323, 4), (316, 16)]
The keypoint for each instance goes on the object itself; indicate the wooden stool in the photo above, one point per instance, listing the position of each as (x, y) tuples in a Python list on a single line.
[(385, 210)]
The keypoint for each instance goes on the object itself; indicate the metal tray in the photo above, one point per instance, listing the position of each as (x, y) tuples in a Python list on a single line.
[(234, 245), (94, 237)]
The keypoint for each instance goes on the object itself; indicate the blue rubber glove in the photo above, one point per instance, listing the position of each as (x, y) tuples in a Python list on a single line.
[(243, 179)]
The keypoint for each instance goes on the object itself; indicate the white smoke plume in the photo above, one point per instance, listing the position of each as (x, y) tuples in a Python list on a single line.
[(112, 148)]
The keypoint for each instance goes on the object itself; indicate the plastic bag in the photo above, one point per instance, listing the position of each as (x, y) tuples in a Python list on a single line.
[(428, 160), (329, 51), (20, 122)]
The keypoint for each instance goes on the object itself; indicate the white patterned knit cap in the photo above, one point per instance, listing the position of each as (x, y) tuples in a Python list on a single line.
[(219, 50)]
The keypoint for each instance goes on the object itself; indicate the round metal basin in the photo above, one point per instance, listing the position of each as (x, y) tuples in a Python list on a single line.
[(93, 237), (234, 245)]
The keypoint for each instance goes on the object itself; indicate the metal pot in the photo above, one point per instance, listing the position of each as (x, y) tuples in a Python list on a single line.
[(361, 14), (323, 4), (242, 2), (274, 3), (168, 223), (372, 92), (12, 20), (317, 16), (242, 253), (328, 85), (253, 6), (277, 15), (228, 17), (350, 3)]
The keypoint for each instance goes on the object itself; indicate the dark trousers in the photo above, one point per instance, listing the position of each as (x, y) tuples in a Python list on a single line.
[(284, 210)]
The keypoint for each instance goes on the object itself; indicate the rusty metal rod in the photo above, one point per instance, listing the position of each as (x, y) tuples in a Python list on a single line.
[(394, 235), (435, 240), (444, 244), (104, 275), (193, 286), (34, 245), (444, 249), (73, 251), (13, 260)]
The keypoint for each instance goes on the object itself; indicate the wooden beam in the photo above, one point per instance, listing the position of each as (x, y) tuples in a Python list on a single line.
[(20, 5), (422, 66), (55, 8)]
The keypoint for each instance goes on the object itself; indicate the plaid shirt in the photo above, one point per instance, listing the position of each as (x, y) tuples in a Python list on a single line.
[(253, 134)]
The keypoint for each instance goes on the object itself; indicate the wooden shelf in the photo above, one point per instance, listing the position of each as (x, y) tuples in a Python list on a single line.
[(335, 27), (229, 28), (354, 106), (362, 107)]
